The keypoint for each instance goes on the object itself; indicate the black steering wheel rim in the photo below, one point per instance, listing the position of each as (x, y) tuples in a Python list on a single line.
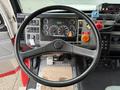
[(56, 83)]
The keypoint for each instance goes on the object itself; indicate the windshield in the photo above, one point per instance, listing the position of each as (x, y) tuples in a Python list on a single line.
[(29, 6)]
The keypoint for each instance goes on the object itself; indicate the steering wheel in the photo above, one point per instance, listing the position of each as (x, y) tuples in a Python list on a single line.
[(58, 45)]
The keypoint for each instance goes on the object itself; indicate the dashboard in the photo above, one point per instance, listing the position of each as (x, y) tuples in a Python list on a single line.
[(50, 26), (67, 26)]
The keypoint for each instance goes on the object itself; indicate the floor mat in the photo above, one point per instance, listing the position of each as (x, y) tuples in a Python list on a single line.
[(57, 73)]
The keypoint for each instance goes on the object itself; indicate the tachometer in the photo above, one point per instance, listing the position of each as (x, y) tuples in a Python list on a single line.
[(53, 30), (63, 29)]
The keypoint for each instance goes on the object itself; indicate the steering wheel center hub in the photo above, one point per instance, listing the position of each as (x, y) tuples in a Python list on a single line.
[(58, 44)]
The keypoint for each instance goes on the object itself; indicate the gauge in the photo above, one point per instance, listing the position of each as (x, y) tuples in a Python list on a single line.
[(45, 27), (72, 21), (45, 32), (53, 30), (45, 21), (63, 29), (73, 29)]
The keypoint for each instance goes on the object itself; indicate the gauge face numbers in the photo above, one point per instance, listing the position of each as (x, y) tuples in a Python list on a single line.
[(53, 30)]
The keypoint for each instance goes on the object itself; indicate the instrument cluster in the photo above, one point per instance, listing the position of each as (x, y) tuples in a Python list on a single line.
[(67, 27), (59, 27)]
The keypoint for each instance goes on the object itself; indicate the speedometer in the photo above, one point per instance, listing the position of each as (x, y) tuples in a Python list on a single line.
[(62, 30)]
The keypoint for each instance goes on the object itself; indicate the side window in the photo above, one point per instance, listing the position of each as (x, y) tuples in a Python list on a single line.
[(3, 27), (6, 47)]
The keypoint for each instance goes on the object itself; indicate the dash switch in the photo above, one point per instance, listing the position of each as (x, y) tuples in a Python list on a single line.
[(85, 38)]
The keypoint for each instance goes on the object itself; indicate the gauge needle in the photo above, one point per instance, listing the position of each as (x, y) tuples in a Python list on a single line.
[(69, 34)]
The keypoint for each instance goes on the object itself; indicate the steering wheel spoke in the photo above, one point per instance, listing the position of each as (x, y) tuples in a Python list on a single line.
[(31, 53), (37, 51), (84, 51), (78, 50)]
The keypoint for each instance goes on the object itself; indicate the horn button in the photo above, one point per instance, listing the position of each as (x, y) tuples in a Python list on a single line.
[(58, 44)]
